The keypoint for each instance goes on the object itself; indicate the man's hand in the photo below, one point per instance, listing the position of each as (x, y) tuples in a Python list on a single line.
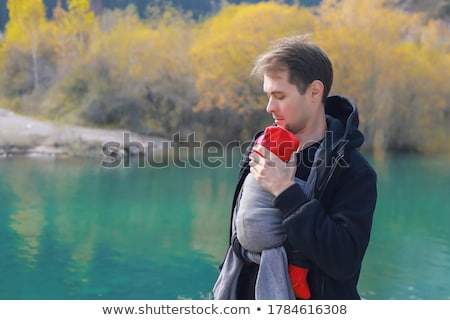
[(272, 173)]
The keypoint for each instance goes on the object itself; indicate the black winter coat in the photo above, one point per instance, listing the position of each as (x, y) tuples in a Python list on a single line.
[(332, 230)]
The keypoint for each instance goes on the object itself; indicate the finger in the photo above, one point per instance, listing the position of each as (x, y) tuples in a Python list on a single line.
[(255, 156), (262, 151), (255, 150), (269, 157)]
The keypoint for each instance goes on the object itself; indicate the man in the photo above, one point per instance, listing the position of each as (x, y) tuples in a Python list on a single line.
[(327, 222)]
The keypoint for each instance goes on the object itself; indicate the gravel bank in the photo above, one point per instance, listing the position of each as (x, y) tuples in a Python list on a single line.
[(26, 136)]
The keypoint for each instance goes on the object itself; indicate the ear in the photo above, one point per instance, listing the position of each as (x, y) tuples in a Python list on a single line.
[(316, 90)]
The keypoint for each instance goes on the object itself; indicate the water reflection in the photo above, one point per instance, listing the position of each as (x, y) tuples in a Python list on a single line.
[(72, 230), (408, 257), (212, 207), (27, 218), (106, 234)]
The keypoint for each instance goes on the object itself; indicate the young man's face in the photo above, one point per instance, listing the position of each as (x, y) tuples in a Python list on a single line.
[(290, 109)]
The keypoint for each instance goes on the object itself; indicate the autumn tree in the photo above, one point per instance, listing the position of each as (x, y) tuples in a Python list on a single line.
[(81, 22), (135, 74), (420, 92), (168, 72), (24, 35), (382, 61), (223, 53), (72, 31)]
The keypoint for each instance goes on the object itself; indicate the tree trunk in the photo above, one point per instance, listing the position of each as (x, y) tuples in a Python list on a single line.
[(34, 55)]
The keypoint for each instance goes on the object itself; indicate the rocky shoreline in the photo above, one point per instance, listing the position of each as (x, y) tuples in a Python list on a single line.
[(26, 136)]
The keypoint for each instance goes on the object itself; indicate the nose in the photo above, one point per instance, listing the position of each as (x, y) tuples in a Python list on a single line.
[(271, 106)]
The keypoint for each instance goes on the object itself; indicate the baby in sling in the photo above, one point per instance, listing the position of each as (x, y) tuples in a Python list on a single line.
[(258, 222)]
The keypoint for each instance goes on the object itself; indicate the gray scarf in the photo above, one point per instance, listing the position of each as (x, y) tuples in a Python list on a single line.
[(257, 225)]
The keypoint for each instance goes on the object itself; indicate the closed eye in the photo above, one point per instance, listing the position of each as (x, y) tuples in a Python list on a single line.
[(277, 95)]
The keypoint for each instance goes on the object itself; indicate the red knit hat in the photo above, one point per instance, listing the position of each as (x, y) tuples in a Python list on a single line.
[(279, 141)]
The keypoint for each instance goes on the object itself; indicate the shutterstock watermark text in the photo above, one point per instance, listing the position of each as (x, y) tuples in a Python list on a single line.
[(180, 152)]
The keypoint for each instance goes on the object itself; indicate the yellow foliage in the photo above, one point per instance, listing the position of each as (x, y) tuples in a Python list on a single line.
[(145, 51), (390, 61), (26, 18), (383, 61), (123, 43), (71, 30), (394, 64), (169, 43), (359, 36), (225, 46)]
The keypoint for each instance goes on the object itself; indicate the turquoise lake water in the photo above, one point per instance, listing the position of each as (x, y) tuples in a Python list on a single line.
[(70, 229)]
